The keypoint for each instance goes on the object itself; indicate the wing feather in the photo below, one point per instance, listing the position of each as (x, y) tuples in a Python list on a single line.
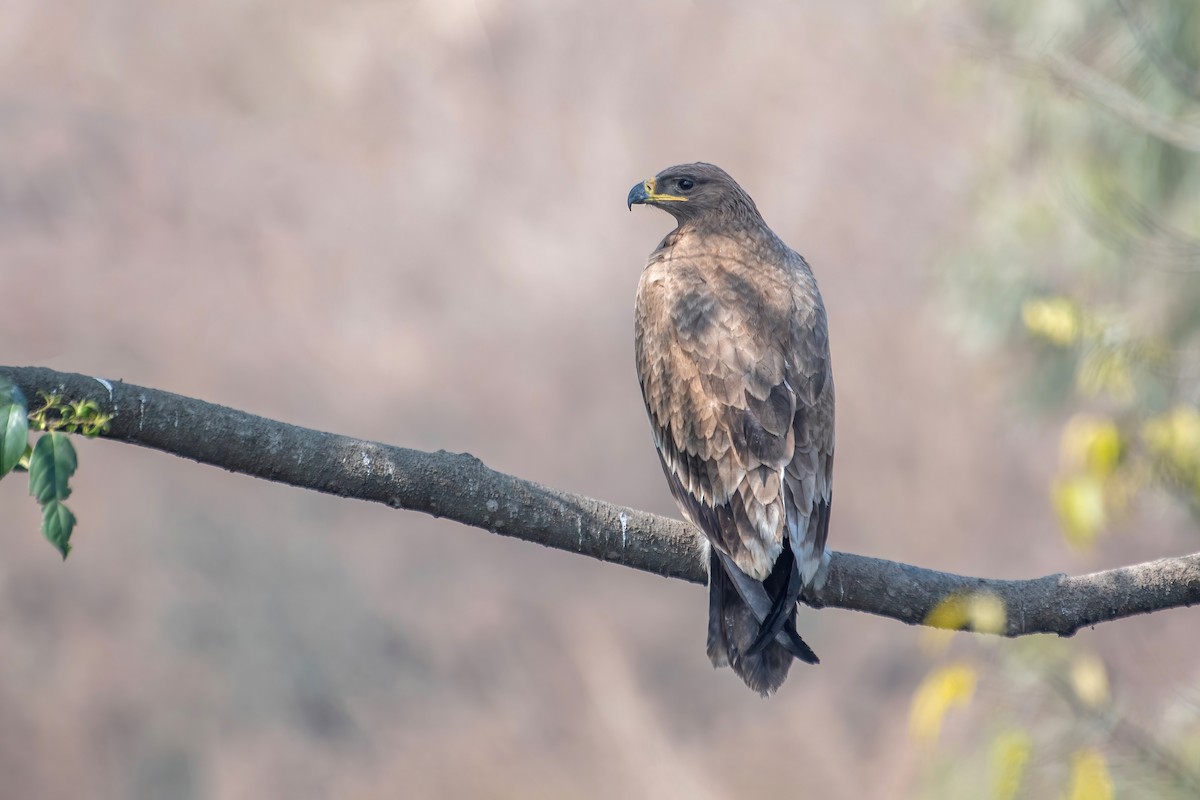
[(734, 367)]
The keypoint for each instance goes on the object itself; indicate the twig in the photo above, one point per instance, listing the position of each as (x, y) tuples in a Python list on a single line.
[(1185, 81), (1091, 85)]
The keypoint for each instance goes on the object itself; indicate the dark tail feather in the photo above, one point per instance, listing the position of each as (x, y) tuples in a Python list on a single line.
[(784, 594), (799, 648), (733, 628)]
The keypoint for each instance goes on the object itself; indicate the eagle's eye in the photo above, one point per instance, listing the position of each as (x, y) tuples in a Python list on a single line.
[(686, 184)]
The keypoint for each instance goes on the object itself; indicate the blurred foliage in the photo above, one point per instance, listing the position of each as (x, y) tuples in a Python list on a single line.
[(1082, 271), (1010, 753), (942, 689), (1037, 717), (982, 612), (1089, 776), (1084, 262)]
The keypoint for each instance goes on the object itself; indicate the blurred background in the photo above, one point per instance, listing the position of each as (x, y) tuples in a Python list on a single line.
[(405, 222)]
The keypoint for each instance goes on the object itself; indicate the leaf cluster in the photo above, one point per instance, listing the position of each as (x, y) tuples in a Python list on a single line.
[(51, 461)]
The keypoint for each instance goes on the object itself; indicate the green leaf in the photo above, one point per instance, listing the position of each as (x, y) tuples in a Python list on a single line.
[(14, 427), (52, 464), (57, 524)]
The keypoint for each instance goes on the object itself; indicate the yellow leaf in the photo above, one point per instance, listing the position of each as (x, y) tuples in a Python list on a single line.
[(1092, 443), (1010, 754), (987, 613), (1089, 776), (949, 614), (950, 686), (1055, 319), (1079, 501), (1174, 437), (1089, 680), (979, 611)]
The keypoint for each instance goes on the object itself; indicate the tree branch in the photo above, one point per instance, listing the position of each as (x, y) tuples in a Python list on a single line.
[(460, 487)]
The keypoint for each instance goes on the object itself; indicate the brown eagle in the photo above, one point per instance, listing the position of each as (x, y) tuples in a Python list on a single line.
[(733, 358)]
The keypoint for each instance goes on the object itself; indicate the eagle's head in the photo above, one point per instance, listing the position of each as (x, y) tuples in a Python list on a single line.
[(694, 191)]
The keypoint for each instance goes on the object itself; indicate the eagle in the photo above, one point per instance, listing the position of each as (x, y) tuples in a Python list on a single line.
[(732, 347)]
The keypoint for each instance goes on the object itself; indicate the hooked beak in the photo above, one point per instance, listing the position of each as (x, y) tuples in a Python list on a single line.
[(637, 194)]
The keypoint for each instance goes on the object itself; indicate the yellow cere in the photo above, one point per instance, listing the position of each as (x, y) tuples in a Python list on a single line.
[(651, 183)]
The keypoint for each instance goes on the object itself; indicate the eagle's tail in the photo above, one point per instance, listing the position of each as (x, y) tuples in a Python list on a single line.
[(735, 630)]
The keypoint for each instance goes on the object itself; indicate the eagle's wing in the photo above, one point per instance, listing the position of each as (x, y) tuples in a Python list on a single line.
[(808, 477), (734, 370)]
